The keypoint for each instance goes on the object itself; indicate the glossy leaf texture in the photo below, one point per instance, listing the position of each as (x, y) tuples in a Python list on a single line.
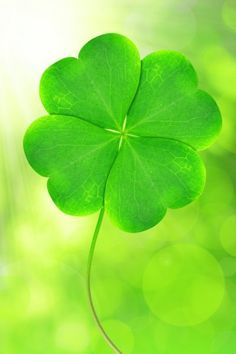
[(150, 175), (99, 86), (122, 132), (169, 104)]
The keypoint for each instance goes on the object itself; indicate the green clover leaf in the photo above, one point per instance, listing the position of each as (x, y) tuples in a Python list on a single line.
[(122, 135), (122, 132)]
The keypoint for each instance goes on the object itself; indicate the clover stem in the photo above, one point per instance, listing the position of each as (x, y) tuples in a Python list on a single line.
[(90, 261)]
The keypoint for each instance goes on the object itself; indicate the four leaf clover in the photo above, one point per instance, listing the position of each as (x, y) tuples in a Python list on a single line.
[(122, 133)]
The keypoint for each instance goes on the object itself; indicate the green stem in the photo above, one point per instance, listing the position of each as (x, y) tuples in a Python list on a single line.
[(90, 261)]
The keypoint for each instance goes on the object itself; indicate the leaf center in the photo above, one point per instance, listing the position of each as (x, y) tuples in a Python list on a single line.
[(123, 132)]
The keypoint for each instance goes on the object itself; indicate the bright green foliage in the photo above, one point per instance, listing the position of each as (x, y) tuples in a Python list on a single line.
[(77, 156), (151, 174), (168, 103), (99, 86), (122, 133)]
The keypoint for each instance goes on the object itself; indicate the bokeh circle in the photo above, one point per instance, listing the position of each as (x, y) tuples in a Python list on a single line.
[(183, 284), (227, 235)]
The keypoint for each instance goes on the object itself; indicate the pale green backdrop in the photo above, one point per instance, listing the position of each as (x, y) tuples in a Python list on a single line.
[(43, 304)]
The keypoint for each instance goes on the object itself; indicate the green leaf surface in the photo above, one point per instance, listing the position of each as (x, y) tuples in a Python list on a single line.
[(99, 86), (122, 133), (76, 156), (168, 103), (150, 175)]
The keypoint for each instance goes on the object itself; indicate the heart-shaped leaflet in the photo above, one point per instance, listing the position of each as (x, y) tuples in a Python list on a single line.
[(122, 135)]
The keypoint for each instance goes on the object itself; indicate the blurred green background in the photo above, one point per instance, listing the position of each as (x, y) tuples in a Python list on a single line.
[(43, 253)]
